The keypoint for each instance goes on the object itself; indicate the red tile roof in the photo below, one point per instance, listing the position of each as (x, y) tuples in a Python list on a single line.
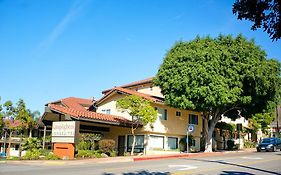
[(77, 103), (131, 92), (140, 82), (73, 107)]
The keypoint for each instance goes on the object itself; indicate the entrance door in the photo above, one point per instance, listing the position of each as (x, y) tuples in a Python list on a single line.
[(121, 145)]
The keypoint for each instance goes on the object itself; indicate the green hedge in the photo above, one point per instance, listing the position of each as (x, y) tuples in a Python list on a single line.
[(88, 154), (250, 144), (36, 154)]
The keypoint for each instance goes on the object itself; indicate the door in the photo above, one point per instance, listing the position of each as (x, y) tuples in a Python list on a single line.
[(121, 145)]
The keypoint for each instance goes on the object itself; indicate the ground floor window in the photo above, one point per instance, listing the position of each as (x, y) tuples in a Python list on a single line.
[(156, 142), (172, 143), (193, 142), (139, 145)]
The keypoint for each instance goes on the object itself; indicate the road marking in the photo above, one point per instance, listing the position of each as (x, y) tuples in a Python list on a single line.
[(182, 167), (252, 158), (54, 163), (222, 166)]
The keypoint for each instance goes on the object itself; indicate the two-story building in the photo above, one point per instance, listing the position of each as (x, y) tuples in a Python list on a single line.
[(102, 116)]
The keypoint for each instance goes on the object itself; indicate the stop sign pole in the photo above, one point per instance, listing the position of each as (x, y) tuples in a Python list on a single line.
[(190, 128), (187, 139)]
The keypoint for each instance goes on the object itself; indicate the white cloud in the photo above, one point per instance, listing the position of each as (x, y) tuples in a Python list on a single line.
[(73, 12)]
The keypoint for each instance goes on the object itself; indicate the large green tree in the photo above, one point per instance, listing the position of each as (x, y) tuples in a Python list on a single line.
[(264, 14), (226, 75), (140, 110)]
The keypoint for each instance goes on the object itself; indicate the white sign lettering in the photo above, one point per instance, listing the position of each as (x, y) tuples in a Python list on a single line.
[(65, 131)]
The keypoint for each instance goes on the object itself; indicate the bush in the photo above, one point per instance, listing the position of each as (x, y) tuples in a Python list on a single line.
[(83, 145), (250, 144), (88, 154), (106, 146), (36, 154), (51, 156), (113, 154), (33, 154), (13, 158), (230, 144), (31, 143)]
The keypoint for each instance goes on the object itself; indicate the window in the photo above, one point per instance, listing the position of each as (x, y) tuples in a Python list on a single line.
[(105, 111), (172, 143), (162, 113), (156, 142), (178, 113), (193, 119), (139, 145), (193, 142)]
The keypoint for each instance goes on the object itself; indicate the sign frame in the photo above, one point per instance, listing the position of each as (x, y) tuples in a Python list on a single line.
[(65, 131)]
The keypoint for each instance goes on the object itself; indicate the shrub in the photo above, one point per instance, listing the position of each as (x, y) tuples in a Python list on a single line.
[(230, 144), (106, 146), (250, 144), (31, 143), (13, 158), (113, 154), (83, 145), (88, 154), (51, 156), (36, 154), (33, 154)]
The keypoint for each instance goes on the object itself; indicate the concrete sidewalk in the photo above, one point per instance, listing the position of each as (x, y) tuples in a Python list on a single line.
[(119, 159)]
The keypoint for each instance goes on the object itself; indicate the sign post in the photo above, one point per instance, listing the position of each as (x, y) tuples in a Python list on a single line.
[(190, 129), (187, 141)]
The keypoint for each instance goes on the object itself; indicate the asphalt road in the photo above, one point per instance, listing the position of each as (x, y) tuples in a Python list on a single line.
[(226, 164)]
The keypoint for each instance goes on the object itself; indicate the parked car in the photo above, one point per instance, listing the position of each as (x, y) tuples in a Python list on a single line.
[(269, 144)]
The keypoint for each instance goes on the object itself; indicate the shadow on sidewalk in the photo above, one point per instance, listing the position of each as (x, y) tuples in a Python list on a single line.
[(142, 173)]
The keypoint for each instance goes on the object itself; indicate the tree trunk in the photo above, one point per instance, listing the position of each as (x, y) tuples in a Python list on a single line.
[(134, 141), (211, 127), (20, 148), (9, 145), (30, 132)]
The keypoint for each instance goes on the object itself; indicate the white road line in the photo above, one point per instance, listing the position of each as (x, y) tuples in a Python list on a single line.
[(182, 167), (252, 158)]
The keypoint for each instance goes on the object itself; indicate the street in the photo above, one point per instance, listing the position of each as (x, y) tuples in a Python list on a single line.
[(247, 163)]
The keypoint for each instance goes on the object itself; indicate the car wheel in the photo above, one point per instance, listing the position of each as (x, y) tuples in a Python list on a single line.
[(258, 150)]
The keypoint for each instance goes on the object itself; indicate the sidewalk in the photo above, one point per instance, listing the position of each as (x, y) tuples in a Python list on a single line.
[(119, 159)]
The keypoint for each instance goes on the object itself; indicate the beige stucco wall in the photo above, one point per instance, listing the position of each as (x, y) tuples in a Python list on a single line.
[(155, 90), (174, 126), (110, 103)]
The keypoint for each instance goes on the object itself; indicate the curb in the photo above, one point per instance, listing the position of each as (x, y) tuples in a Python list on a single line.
[(185, 155), (120, 159)]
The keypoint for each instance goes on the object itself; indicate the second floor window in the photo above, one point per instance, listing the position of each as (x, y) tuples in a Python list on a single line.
[(162, 113), (105, 111), (193, 119), (178, 113)]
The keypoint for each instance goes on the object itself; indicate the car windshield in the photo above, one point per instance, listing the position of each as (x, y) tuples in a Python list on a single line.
[(267, 141)]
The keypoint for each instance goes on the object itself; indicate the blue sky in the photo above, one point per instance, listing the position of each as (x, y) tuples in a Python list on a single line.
[(59, 48)]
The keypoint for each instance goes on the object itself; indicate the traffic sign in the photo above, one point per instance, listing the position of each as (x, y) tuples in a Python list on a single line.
[(190, 128)]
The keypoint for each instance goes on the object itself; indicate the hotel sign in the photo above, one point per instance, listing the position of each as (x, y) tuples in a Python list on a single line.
[(65, 131)]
